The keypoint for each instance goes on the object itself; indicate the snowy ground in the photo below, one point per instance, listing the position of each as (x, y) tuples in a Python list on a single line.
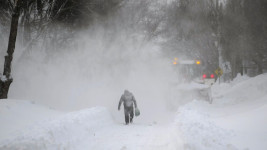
[(235, 120), (92, 128)]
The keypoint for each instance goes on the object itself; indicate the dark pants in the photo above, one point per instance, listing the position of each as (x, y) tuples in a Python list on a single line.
[(129, 114)]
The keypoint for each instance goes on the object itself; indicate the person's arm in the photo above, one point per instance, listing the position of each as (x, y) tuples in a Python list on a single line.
[(135, 104), (121, 100)]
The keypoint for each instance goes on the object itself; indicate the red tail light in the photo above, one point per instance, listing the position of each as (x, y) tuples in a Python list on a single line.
[(204, 76), (212, 76)]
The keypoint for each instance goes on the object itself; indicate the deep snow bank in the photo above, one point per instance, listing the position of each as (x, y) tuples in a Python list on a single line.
[(200, 132), (61, 133), (242, 89), (235, 120), (15, 115)]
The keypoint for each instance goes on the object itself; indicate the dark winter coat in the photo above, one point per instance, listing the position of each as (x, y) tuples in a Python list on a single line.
[(128, 100)]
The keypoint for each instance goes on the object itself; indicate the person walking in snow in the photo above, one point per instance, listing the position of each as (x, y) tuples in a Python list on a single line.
[(129, 103)]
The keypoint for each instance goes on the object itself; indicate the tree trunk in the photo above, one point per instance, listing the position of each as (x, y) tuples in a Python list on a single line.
[(6, 79)]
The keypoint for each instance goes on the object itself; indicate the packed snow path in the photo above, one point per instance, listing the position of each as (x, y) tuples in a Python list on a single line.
[(132, 137)]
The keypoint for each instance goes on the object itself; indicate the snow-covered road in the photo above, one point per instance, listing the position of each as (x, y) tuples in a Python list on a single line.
[(133, 137)]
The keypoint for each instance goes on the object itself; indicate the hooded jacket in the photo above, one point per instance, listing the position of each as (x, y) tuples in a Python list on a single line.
[(128, 100)]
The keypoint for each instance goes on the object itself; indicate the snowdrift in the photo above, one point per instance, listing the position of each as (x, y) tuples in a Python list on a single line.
[(242, 89), (200, 132), (16, 115), (60, 133), (236, 119)]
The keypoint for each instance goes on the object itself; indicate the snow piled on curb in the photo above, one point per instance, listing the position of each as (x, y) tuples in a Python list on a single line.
[(241, 89), (200, 132), (62, 133)]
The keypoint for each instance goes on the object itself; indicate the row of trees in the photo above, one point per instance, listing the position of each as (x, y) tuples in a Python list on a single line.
[(53, 22), (244, 35), (231, 35)]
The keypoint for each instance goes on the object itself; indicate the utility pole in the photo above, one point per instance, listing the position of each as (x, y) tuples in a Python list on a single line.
[(218, 33)]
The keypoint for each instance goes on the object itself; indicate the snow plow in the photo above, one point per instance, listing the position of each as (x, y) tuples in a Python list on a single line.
[(196, 78)]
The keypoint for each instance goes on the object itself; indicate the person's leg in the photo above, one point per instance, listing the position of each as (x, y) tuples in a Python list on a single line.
[(126, 118), (126, 113), (131, 115)]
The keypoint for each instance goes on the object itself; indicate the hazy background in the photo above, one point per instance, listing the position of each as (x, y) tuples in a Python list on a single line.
[(94, 73)]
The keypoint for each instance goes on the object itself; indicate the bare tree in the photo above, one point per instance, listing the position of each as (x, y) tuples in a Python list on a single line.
[(6, 79)]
